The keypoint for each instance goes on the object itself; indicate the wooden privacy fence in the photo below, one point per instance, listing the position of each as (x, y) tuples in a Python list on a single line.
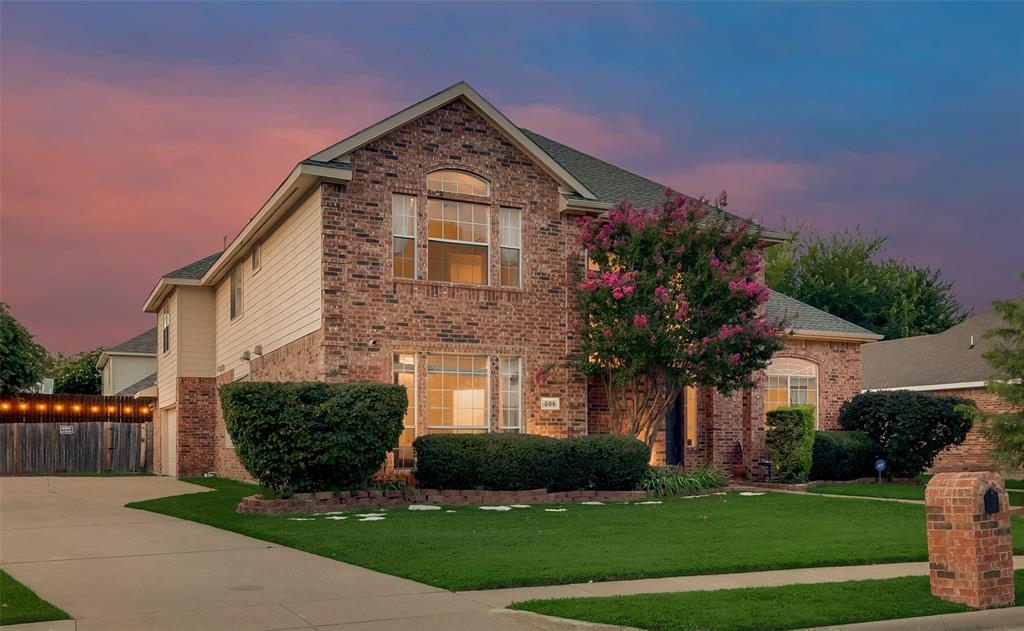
[(75, 434)]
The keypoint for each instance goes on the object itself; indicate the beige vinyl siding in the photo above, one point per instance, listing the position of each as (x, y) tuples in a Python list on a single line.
[(167, 363), (281, 302), (127, 369), (196, 332), (107, 379)]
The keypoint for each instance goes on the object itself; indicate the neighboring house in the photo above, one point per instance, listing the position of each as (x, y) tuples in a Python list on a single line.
[(437, 249), (127, 364), (947, 363)]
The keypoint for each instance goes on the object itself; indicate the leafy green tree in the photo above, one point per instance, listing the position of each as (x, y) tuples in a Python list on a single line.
[(22, 360), (1006, 431), (841, 274), (77, 374), (671, 298)]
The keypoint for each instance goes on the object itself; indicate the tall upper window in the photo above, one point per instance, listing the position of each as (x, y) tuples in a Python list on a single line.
[(403, 235), (457, 393), (510, 372), (236, 291), (165, 329), (458, 182), (511, 246), (457, 246), (791, 381)]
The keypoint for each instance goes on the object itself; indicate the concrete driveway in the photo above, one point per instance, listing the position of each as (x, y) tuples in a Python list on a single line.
[(72, 541)]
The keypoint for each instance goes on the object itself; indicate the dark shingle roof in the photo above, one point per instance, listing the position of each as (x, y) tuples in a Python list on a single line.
[(803, 317), (928, 360), (141, 343), (194, 270), (141, 384), (608, 182)]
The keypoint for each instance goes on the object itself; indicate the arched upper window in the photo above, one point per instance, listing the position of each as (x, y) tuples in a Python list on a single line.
[(451, 181), (791, 381)]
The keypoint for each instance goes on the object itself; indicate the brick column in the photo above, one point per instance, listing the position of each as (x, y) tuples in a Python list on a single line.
[(970, 551)]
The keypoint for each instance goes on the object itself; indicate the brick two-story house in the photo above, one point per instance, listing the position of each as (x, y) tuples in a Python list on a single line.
[(437, 249)]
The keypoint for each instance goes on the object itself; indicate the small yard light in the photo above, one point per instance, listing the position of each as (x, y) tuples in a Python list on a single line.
[(76, 408), (59, 407), (23, 406), (41, 406), (5, 406), (111, 409), (95, 409), (127, 410)]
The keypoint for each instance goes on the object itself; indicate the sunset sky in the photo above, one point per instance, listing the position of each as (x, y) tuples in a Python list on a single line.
[(135, 137)]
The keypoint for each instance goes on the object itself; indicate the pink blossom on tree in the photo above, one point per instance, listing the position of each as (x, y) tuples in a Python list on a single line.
[(673, 298)]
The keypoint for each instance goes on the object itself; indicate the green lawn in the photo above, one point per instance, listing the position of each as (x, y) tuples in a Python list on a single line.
[(20, 604), (761, 608), (904, 491), (474, 549), (888, 490)]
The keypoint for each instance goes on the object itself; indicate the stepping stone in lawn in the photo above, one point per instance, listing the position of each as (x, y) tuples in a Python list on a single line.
[(554, 510), (300, 519), (592, 503), (373, 518), (750, 494), (650, 502), (520, 506), (497, 508), (423, 507)]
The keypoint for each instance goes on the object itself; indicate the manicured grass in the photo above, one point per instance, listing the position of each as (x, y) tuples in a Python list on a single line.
[(475, 549), (20, 604), (887, 490), (761, 608), (904, 491)]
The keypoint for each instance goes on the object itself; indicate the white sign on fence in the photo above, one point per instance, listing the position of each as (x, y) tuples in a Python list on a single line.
[(67, 429), (550, 403)]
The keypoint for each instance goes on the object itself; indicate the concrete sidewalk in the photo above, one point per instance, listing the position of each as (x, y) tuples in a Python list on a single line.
[(71, 540), (774, 578)]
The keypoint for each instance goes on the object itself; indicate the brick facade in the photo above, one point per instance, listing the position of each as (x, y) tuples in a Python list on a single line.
[(197, 406), (972, 454), (369, 314), (838, 373)]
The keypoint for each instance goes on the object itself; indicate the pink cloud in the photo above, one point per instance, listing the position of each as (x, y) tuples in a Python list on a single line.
[(751, 184), (620, 136), (115, 174)]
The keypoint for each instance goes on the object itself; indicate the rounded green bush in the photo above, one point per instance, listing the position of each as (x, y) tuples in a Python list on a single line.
[(789, 441), (843, 456), (312, 436)]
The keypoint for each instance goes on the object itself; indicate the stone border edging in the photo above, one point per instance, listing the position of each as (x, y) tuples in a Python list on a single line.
[(327, 501)]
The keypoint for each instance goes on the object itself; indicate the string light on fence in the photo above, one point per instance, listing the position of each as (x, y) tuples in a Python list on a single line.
[(59, 407), (23, 406), (41, 406), (5, 406), (76, 408), (95, 409), (111, 409)]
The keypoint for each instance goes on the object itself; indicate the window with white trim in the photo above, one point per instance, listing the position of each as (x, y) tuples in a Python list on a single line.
[(403, 235), (791, 381), (165, 328), (457, 399), (511, 373), (236, 291), (404, 373), (256, 257), (511, 246), (457, 241), (449, 181)]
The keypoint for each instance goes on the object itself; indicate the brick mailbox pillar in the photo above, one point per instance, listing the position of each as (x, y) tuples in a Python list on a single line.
[(970, 551)]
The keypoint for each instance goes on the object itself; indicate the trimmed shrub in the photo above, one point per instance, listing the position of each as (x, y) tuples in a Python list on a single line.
[(312, 436), (910, 428), (666, 481), (790, 442), (512, 462), (843, 456), (605, 462)]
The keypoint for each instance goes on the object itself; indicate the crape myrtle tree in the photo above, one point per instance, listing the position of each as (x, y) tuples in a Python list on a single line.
[(670, 298)]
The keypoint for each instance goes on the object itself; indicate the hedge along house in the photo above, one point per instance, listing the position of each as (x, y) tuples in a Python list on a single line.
[(947, 363), (437, 249)]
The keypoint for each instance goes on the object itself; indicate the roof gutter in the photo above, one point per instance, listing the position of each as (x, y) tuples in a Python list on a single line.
[(960, 385), (162, 290), (840, 336), (303, 178)]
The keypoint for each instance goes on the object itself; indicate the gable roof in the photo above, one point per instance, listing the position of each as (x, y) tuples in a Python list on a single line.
[(941, 359), (195, 269), (805, 320), (146, 382), (460, 90), (142, 344)]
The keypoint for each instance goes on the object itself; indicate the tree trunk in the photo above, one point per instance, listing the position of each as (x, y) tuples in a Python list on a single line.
[(638, 408)]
